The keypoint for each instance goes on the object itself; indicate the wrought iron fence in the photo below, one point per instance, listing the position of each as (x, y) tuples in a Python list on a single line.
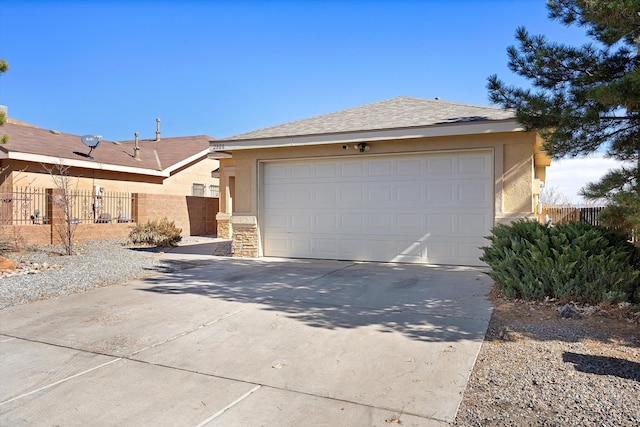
[(85, 207), (29, 205), (22, 205)]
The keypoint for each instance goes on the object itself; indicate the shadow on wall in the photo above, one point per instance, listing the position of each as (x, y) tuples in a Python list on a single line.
[(424, 303)]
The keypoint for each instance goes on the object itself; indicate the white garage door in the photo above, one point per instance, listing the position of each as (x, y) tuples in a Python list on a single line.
[(421, 208)]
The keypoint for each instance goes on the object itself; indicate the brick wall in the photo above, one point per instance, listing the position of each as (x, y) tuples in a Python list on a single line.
[(196, 216), (47, 234)]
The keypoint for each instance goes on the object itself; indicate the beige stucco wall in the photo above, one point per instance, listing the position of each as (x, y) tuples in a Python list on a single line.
[(179, 183), (513, 166), (517, 179), (518, 166)]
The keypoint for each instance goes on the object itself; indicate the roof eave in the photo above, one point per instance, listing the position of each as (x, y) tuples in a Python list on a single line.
[(222, 146), (186, 161), (39, 158)]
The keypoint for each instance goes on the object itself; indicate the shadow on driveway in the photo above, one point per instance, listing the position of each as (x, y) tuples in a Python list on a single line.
[(425, 303)]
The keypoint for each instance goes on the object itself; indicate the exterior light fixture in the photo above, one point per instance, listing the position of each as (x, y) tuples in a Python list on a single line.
[(361, 147)]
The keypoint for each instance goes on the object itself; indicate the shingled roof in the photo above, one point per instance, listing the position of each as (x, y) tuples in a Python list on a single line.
[(27, 142), (398, 113)]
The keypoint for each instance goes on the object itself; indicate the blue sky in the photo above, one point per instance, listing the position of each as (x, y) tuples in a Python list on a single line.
[(225, 67)]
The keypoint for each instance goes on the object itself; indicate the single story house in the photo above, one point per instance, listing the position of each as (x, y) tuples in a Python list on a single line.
[(402, 180), (113, 182)]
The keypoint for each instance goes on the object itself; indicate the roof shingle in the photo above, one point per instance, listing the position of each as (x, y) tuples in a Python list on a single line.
[(167, 152), (396, 113)]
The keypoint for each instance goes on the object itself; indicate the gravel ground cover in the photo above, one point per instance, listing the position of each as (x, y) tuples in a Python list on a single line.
[(44, 272), (535, 368)]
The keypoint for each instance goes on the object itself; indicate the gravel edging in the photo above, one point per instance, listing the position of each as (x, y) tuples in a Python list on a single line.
[(538, 369), (94, 264)]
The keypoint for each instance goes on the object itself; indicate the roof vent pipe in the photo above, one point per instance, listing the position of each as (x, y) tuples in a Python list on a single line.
[(136, 148), (158, 129)]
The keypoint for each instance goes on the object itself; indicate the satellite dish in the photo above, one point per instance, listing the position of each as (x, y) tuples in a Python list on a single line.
[(91, 141)]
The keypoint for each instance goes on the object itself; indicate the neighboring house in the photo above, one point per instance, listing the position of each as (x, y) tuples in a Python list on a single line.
[(168, 166), (402, 180)]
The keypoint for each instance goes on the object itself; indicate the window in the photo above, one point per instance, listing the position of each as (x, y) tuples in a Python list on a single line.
[(214, 191), (197, 190)]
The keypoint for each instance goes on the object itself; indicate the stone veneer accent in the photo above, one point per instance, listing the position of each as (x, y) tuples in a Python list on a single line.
[(245, 237), (225, 230)]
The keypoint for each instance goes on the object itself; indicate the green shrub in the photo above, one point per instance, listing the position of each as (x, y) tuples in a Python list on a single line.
[(159, 233), (573, 262)]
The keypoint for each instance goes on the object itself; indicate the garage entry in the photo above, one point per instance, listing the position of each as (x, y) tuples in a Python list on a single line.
[(420, 208)]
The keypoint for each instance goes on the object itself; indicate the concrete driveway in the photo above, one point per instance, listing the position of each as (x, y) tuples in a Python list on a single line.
[(240, 342)]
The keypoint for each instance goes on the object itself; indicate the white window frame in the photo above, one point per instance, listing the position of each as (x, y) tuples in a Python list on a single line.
[(198, 187)]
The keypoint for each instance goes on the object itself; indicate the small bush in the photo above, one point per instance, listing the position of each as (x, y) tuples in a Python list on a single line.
[(159, 233), (573, 261)]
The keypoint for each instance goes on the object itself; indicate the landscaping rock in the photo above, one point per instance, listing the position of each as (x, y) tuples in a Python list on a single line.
[(6, 264), (569, 311)]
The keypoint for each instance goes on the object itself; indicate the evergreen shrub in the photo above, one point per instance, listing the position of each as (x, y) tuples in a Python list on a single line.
[(159, 233), (571, 262)]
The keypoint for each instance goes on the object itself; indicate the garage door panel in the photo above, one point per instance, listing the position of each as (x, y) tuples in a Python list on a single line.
[(277, 245), (380, 194), (275, 175), (409, 167), (328, 170), (301, 220), (473, 193), (411, 248), (441, 224), (380, 249), (275, 197), (325, 220), (351, 195), (302, 195), (470, 166), (380, 168), (440, 166), (383, 221), (440, 250), (275, 220), (428, 208), (469, 223), (302, 246), (439, 193), (351, 223), (325, 196), (352, 169), (352, 249), (410, 221), (410, 193), (301, 171), (469, 249)]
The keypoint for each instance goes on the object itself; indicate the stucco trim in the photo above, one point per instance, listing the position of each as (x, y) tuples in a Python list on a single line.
[(39, 158), (226, 146), (186, 161)]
